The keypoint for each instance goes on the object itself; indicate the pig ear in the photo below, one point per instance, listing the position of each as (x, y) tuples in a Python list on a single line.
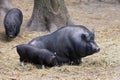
[(93, 31), (54, 53), (52, 58)]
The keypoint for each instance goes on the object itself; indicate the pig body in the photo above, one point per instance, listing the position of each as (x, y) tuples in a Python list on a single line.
[(32, 54), (70, 43), (12, 22)]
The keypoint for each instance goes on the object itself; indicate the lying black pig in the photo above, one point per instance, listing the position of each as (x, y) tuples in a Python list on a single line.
[(35, 55), (70, 42), (12, 22)]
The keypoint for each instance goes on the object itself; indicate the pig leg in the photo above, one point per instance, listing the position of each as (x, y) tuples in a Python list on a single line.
[(43, 66), (77, 62), (22, 63)]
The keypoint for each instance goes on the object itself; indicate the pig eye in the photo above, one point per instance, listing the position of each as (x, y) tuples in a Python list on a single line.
[(91, 38)]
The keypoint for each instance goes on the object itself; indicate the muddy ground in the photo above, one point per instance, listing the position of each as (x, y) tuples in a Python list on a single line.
[(104, 18)]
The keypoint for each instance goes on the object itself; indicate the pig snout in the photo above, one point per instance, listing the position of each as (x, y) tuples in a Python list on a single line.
[(95, 47)]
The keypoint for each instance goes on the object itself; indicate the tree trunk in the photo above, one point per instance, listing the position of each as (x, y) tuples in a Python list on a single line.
[(48, 15), (5, 5), (118, 1)]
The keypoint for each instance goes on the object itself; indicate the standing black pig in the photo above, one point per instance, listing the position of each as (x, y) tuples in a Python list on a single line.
[(12, 22), (70, 43), (35, 55)]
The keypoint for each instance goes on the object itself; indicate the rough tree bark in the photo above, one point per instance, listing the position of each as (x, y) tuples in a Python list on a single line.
[(5, 5), (119, 1), (48, 15)]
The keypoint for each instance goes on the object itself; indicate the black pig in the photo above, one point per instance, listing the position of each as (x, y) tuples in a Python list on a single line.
[(35, 55), (12, 22), (70, 42)]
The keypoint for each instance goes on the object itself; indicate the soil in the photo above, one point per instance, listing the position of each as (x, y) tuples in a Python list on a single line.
[(102, 17)]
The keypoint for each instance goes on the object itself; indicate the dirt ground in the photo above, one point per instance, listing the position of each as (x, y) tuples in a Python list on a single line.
[(102, 17)]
